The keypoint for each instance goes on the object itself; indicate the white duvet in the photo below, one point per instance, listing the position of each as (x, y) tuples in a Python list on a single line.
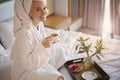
[(110, 62)]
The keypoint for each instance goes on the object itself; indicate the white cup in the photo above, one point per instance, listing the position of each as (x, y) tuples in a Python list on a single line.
[(55, 37)]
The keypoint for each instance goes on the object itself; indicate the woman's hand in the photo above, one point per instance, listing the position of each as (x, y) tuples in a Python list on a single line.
[(49, 41)]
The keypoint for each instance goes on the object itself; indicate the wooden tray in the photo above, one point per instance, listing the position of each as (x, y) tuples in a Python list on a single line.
[(101, 74)]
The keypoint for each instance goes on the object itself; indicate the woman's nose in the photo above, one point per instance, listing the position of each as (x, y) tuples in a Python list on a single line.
[(44, 12)]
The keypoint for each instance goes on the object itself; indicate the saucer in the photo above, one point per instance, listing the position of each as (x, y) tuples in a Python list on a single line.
[(89, 75)]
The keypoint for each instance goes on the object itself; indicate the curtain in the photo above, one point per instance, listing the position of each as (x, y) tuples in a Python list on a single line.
[(115, 17), (93, 14), (75, 9)]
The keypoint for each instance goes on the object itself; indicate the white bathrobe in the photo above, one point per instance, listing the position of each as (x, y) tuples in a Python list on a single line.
[(31, 60)]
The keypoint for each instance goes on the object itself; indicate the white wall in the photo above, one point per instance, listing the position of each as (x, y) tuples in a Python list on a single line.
[(61, 7)]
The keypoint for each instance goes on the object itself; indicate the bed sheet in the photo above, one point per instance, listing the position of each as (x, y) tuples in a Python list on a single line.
[(5, 63), (110, 62)]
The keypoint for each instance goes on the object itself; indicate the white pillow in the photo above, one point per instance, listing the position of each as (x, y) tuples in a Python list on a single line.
[(1, 50), (6, 33)]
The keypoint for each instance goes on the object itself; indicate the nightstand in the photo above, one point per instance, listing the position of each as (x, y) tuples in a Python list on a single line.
[(58, 22)]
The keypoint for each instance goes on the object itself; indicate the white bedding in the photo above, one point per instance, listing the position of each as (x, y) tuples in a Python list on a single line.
[(110, 62), (6, 10)]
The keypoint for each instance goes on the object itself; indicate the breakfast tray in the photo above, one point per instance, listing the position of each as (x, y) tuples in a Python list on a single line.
[(101, 74)]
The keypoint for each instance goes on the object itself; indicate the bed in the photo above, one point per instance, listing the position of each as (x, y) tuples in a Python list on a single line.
[(110, 63)]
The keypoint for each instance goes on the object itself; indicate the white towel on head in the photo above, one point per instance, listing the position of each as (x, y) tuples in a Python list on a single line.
[(21, 15)]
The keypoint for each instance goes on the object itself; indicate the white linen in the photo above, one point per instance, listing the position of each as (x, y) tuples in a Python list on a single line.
[(1, 49), (110, 61), (6, 10), (6, 33)]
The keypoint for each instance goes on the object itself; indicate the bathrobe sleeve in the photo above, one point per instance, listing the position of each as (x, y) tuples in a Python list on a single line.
[(27, 54)]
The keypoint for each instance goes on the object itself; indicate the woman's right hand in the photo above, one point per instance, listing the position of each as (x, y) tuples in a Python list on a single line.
[(49, 41)]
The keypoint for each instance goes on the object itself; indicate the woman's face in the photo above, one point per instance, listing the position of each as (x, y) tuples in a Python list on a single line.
[(38, 11)]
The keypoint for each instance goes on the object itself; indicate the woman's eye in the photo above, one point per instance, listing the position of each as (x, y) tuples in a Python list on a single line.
[(45, 8), (41, 9), (37, 9)]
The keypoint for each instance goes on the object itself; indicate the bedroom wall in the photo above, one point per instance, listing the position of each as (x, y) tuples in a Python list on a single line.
[(50, 6), (61, 7)]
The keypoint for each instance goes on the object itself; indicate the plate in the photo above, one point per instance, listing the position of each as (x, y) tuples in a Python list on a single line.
[(89, 75), (76, 67)]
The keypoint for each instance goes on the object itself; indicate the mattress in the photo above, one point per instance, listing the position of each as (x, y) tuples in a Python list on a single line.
[(109, 63)]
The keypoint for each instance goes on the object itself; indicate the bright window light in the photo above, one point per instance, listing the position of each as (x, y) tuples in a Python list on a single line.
[(107, 20)]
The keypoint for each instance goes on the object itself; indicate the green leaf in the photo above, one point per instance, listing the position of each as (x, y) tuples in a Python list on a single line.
[(81, 51), (77, 47), (83, 46), (98, 57)]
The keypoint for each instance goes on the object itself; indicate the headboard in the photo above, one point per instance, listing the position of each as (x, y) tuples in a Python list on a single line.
[(6, 9)]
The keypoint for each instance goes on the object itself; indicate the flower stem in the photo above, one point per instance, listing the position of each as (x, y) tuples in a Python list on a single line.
[(89, 58)]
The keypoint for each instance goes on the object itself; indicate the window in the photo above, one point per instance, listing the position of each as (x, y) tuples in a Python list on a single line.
[(106, 20)]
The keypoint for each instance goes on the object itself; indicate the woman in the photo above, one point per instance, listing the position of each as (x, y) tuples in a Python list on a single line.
[(33, 54)]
